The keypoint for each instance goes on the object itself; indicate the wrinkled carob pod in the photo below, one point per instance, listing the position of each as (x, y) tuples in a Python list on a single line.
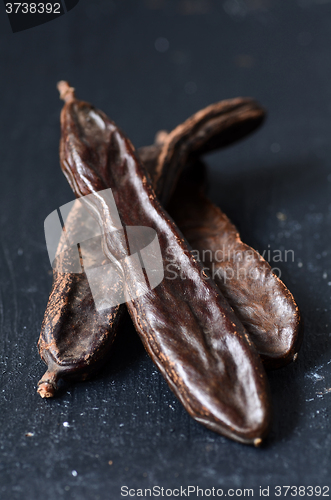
[(74, 349), (258, 297), (213, 127), (76, 339), (186, 326)]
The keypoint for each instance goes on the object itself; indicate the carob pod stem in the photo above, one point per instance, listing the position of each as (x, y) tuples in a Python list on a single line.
[(186, 326)]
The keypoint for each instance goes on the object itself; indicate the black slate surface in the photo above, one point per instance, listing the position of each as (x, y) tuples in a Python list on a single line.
[(125, 427)]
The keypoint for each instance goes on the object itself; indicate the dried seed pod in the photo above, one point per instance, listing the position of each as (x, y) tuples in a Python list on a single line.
[(213, 127), (75, 338), (258, 297), (187, 327)]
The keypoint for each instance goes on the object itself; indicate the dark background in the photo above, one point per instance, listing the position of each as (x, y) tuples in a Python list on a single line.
[(275, 186)]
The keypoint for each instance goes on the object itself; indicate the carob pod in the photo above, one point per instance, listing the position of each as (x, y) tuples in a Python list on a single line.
[(75, 338), (259, 298), (187, 327), (213, 127)]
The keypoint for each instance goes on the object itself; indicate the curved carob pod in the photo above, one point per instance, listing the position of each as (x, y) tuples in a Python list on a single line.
[(258, 297), (211, 128), (187, 327), (75, 338)]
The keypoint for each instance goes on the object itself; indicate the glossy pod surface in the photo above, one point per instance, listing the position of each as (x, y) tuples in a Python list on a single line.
[(211, 128), (75, 339), (258, 297), (188, 328)]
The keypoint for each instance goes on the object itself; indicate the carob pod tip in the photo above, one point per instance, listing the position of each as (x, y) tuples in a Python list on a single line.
[(246, 120)]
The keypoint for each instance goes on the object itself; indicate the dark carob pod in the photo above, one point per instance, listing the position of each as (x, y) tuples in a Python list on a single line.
[(185, 324), (259, 298), (211, 128), (75, 338)]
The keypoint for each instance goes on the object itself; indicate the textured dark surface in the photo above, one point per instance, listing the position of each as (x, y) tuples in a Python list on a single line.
[(275, 186)]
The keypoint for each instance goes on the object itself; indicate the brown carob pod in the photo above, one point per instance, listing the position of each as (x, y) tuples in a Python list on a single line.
[(258, 297), (187, 327), (213, 127), (76, 339)]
